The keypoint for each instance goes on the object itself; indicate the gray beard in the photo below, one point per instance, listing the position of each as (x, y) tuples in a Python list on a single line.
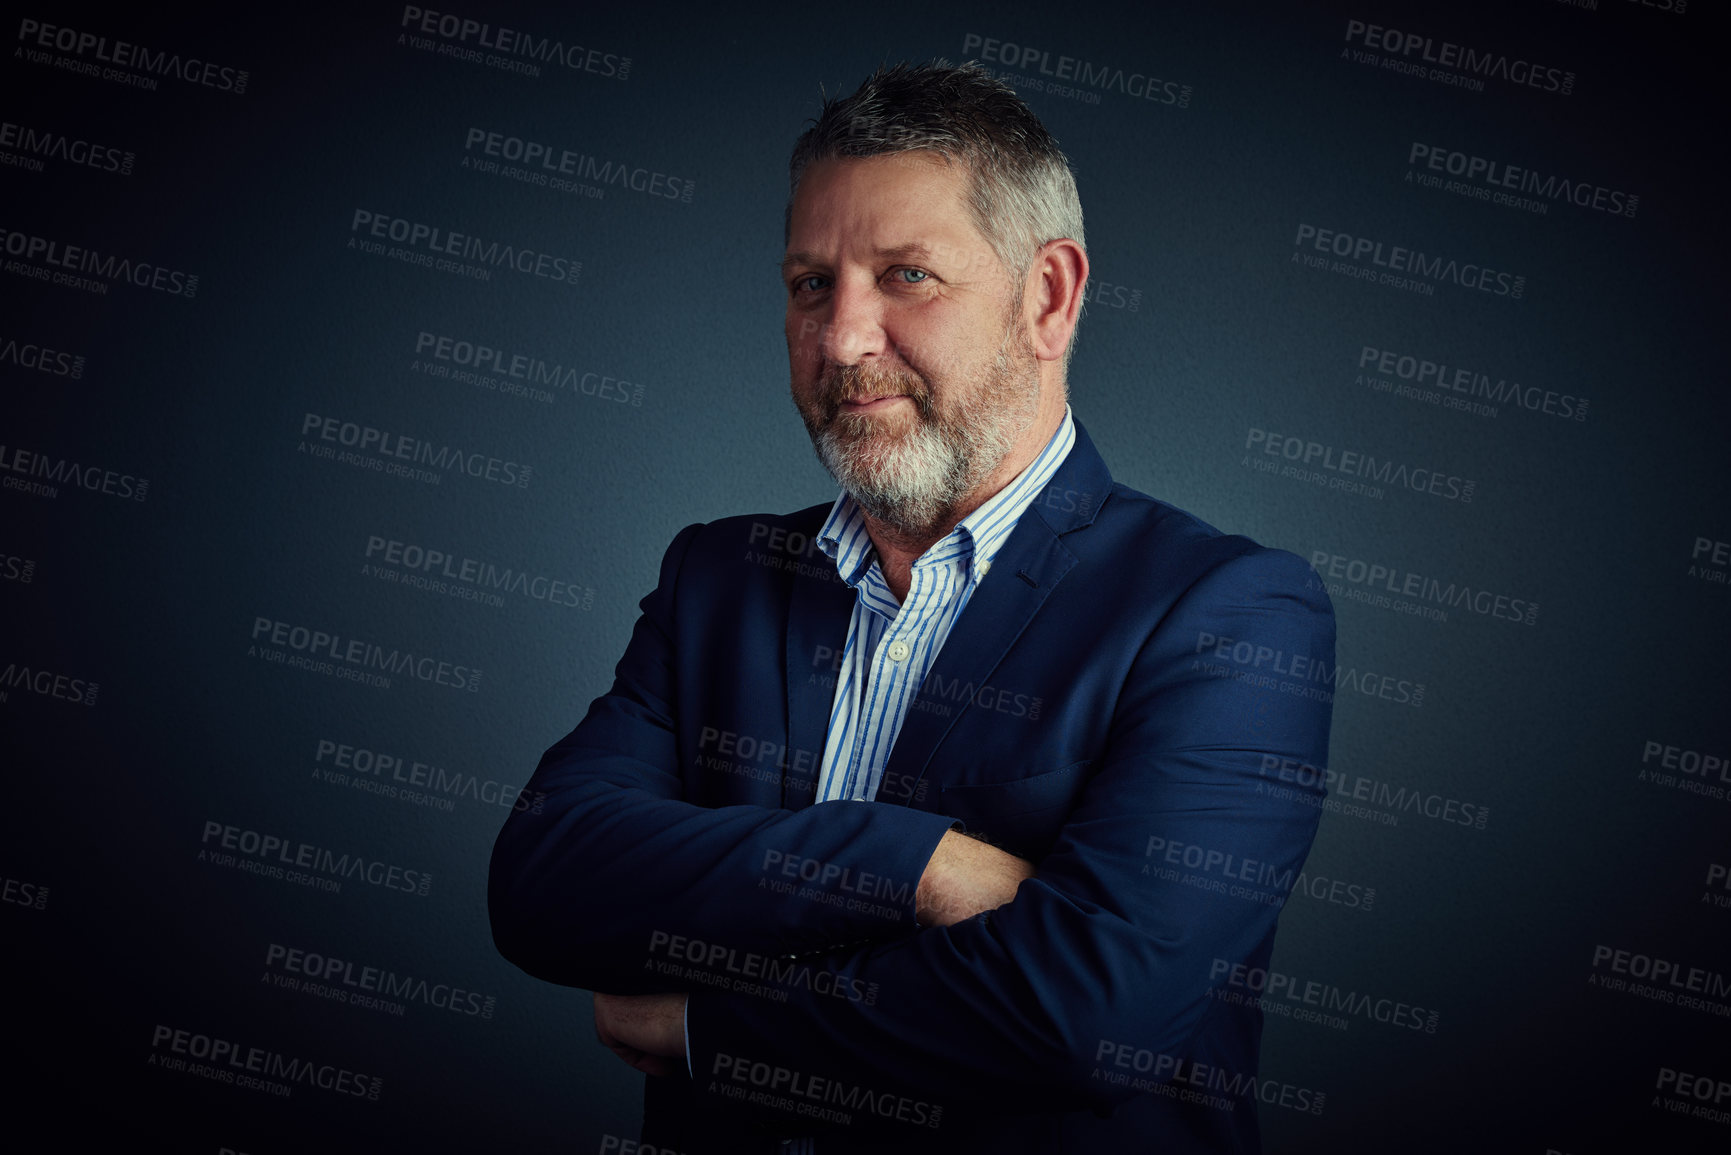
[(913, 483)]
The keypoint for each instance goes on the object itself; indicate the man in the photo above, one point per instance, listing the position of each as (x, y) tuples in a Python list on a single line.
[(936, 818)]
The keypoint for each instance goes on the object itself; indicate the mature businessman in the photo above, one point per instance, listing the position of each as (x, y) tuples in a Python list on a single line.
[(935, 818)]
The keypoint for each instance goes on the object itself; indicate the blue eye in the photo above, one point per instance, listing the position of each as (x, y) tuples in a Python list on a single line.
[(805, 283), (921, 274)]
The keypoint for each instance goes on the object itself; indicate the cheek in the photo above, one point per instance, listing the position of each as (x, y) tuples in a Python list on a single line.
[(932, 352), (912, 343), (804, 336), (803, 373)]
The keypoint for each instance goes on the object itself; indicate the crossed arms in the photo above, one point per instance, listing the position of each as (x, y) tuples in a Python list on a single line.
[(965, 877), (1011, 980)]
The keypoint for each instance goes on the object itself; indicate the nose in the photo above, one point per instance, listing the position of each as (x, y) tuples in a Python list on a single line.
[(853, 330)]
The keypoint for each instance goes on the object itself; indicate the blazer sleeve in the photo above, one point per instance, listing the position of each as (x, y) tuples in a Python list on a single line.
[(1009, 1011), (615, 862)]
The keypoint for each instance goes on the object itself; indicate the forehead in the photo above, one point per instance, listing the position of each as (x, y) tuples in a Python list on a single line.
[(848, 205)]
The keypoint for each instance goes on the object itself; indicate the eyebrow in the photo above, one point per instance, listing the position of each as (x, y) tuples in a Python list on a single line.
[(912, 250)]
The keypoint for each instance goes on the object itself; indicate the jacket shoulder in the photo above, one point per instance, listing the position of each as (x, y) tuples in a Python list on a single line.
[(1159, 538)]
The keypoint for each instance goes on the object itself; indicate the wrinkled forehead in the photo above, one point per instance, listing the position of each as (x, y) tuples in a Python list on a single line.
[(910, 204)]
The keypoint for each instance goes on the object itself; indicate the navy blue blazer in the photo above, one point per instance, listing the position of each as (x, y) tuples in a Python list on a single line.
[(1104, 707)]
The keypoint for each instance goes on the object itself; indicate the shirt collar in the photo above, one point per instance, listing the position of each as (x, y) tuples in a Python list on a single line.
[(975, 539)]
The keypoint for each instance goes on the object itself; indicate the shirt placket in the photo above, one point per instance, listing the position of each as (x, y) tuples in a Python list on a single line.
[(887, 672)]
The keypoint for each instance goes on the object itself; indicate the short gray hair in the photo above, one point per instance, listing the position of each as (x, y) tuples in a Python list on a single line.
[(1021, 191)]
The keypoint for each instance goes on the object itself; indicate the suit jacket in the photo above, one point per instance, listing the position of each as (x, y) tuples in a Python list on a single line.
[(1104, 706)]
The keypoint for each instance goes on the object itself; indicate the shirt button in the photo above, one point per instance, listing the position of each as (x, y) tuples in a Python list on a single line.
[(983, 568), (898, 651)]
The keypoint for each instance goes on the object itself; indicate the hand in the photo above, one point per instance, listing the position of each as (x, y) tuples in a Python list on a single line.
[(965, 877), (647, 1031)]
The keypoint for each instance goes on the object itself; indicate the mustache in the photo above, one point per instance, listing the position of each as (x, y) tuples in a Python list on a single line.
[(841, 383)]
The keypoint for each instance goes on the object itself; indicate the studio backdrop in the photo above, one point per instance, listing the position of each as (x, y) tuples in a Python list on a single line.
[(357, 365)]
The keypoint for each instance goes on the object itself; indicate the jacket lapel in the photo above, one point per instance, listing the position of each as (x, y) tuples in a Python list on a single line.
[(1029, 566), (1027, 569), (817, 620)]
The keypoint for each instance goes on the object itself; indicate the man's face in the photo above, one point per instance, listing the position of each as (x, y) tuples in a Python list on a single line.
[(908, 349)]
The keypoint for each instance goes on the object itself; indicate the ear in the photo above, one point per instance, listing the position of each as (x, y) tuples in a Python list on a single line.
[(1052, 296)]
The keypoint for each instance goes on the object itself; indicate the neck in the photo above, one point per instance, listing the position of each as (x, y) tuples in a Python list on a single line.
[(898, 547)]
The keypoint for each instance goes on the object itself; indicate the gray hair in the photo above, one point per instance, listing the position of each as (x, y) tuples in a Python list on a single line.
[(1021, 192)]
